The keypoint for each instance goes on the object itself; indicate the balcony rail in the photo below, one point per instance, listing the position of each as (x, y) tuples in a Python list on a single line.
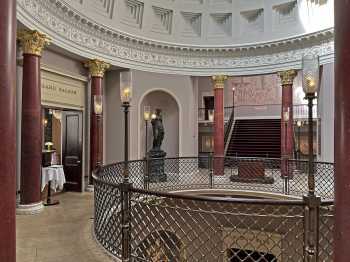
[(185, 217), (260, 111)]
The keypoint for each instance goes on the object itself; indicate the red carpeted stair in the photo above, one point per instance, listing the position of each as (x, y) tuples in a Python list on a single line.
[(255, 138)]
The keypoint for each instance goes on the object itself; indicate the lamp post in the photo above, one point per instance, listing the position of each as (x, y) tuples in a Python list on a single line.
[(310, 65), (125, 96), (146, 117), (233, 101), (299, 125), (310, 68), (98, 110)]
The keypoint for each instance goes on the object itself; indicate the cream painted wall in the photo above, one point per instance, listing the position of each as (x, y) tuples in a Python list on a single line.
[(113, 120), (181, 88), (170, 114), (63, 63), (326, 113), (183, 91)]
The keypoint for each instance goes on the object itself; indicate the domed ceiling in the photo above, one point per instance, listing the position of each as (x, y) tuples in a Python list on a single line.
[(197, 37)]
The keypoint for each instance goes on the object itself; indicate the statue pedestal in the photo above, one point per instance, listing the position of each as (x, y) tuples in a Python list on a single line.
[(156, 166)]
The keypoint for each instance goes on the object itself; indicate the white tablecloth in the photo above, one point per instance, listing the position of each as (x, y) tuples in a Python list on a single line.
[(55, 174)]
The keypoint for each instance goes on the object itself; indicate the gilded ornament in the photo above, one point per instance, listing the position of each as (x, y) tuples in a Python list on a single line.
[(32, 41), (219, 81), (97, 67), (287, 77)]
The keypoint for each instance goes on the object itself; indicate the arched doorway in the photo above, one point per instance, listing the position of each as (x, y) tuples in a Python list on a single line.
[(159, 99)]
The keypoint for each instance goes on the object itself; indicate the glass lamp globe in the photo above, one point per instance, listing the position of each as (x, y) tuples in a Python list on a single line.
[(125, 86), (98, 107), (147, 113), (310, 68)]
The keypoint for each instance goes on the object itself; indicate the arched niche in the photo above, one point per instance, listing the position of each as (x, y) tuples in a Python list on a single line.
[(170, 112)]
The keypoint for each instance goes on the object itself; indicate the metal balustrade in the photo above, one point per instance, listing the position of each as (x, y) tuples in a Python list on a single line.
[(250, 212), (256, 111)]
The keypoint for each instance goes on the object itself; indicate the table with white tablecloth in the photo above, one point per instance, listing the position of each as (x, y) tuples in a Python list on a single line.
[(55, 178), (55, 174)]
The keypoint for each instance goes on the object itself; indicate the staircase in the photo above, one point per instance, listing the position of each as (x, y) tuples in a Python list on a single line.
[(255, 138)]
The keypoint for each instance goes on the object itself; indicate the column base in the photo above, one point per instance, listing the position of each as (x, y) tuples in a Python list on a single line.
[(30, 209), (89, 188)]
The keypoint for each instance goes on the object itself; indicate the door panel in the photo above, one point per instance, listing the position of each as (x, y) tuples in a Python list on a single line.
[(72, 134)]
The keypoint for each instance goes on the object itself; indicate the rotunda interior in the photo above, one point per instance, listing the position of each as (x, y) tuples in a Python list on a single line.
[(174, 130)]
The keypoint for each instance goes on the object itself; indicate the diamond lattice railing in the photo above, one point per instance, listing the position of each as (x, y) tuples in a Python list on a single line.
[(168, 226)]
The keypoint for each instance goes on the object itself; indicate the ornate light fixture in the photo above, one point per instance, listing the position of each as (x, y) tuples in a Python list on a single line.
[(147, 113), (125, 96), (146, 117), (310, 66), (125, 87), (98, 105)]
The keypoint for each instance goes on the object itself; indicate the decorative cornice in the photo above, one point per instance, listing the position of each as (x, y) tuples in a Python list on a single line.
[(287, 77), (78, 34), (97, 67), (219, 81), (32, 41)]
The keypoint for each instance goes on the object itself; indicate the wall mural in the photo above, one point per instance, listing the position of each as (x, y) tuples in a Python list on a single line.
[(256, 90), (263, 90)]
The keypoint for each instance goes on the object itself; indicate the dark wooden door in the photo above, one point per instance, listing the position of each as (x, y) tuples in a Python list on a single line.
[(72, 136)]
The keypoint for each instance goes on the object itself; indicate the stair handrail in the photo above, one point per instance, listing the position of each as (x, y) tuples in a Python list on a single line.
[(229, 130)]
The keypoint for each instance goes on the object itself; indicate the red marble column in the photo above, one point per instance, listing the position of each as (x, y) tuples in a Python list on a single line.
[(342, 132), (287, 121), (8, 130), (219, 146), (97, 69), (31, 145)]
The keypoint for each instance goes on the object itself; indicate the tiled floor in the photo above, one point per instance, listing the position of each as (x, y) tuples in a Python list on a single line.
[(60, 233)]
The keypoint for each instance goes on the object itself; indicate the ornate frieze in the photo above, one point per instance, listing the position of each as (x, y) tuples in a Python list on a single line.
[(287, 77), (97, 67), (80, 35), (32, 41)]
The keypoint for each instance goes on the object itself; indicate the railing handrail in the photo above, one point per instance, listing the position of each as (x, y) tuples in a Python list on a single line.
[(218, 199), (258, 105), (98, 172), (123, 211)]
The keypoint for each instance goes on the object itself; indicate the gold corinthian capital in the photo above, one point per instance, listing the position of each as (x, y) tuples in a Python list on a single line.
[(97, 67), (287, 77), (32, 41), (219, 81)]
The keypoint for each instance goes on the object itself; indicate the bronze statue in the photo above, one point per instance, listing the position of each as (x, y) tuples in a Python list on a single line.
[(158, 130)]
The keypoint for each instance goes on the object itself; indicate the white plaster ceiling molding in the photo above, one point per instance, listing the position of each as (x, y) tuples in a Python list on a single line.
[(138, 33), (132, 12)]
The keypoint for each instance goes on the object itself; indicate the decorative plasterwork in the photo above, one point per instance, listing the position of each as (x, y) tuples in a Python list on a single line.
[(287, 77), (193, 23), (221, 24), (132, 12), (76, 33), (219, 81), (216, 2), (163, 20), (97, 67), (105, 7), (194, 1), (318, 2), (32, 41), (252, 20), (285, 13), (285, 8)]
